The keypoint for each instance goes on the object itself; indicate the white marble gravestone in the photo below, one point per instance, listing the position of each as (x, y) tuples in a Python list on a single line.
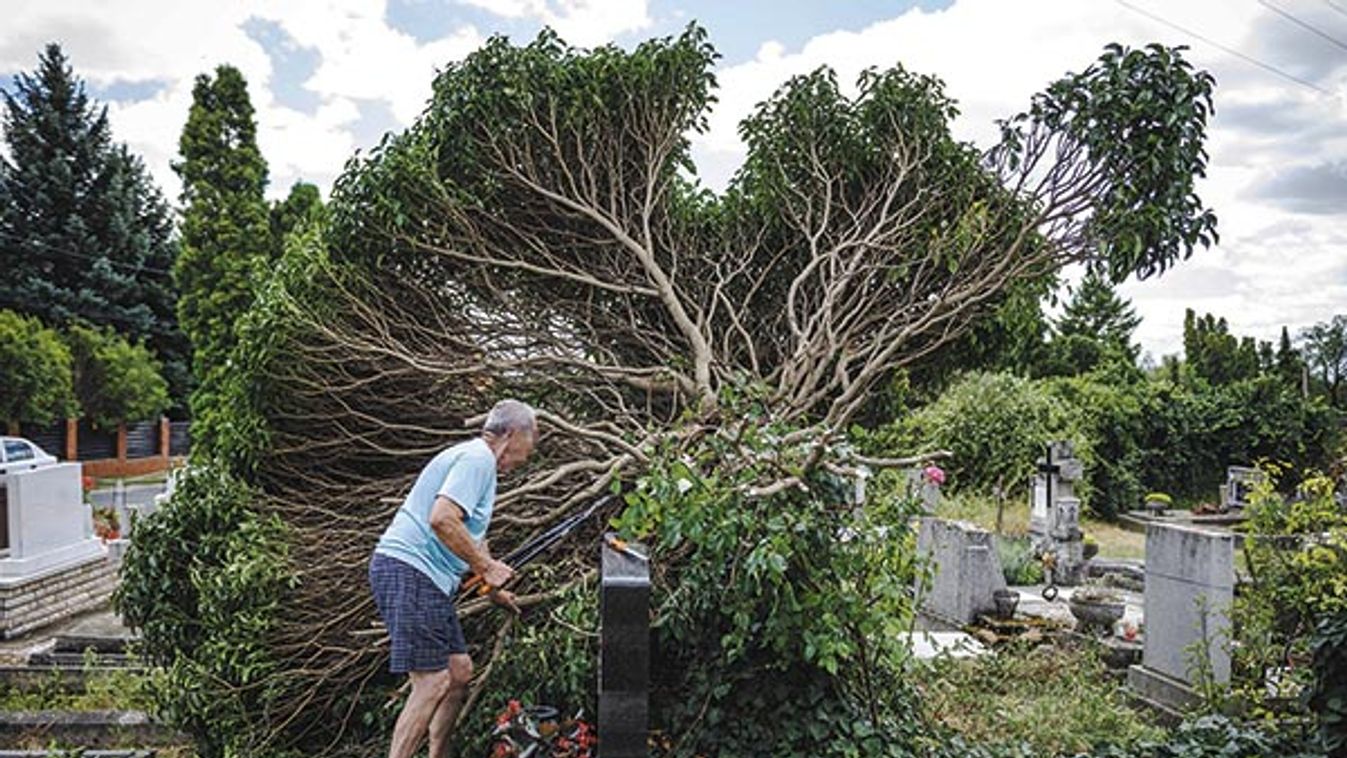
[(48, 521)]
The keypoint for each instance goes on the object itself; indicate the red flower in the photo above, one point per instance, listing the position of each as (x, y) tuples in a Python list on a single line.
[(933, 474), (88, 482)]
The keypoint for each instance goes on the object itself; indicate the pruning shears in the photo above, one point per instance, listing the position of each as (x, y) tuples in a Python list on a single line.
[(621, 546), (536, 546)]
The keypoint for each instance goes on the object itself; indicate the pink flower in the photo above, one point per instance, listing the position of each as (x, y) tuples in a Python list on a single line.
[(933, 474)]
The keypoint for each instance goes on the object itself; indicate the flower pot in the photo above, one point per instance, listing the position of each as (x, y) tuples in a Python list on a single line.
[(1006, 601), (1096, 615)]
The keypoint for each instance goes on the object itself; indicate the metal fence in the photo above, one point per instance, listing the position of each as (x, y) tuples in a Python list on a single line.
[(49, 437), (93, 443), (179, 437), (142, 439)]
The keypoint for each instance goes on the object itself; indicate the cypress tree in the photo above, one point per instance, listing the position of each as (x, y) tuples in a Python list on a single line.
[(303, 202), (226, 235)]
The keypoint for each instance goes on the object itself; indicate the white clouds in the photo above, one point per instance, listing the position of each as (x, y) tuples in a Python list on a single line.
[(579, 22), (1273, 265), (362, 59), (993, 55)]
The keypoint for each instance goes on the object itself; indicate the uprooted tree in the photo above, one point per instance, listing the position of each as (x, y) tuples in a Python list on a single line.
[(538, 234)]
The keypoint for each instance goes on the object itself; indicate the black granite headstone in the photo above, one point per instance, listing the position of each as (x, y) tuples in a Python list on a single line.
[(624, 653)]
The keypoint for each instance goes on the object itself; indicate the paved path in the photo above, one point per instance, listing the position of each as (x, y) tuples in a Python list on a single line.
[(136, 494)]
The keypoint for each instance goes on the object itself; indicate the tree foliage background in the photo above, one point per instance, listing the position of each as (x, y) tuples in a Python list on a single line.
[(539, 233), (84, 232)]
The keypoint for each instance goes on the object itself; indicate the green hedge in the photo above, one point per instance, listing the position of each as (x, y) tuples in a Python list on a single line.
[(1134, 435)]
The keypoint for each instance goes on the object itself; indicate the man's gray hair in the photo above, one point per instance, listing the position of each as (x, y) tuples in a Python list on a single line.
[(510, 416)]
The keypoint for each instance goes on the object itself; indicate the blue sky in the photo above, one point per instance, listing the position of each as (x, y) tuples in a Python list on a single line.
[(329, 77)]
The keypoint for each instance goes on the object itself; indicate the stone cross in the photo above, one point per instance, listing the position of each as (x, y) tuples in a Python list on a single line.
[(1054, 520)]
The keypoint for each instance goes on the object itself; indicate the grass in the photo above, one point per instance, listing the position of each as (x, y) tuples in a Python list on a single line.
[(1058, 701), (1114, 541), (112, 689)]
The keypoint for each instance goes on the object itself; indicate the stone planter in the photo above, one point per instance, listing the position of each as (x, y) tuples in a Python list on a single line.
[(1006, 601), (1096, 613)]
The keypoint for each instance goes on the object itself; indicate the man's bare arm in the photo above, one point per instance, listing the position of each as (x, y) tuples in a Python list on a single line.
[(446, 519)]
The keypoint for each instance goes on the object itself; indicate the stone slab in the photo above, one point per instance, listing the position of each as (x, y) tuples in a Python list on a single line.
[(1170, 694), (96, 729), (966, 569), (1190, 580), (46, 509), (927, 645), (16, 570)]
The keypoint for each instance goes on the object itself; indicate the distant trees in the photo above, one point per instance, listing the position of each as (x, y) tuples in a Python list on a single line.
[(84, 232), (1325, 346), (114, 380)]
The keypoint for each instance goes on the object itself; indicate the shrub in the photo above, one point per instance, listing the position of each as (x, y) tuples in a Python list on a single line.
[(1295, 551), (1328, 697), (34, 372), (778, 622), (206, 623), (115, 380), (1018, 562), (995, 424)]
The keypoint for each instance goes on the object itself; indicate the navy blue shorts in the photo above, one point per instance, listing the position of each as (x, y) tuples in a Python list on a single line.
[(421, 621)]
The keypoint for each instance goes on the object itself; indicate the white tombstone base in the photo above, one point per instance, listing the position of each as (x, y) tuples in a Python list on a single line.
[(18, 570)]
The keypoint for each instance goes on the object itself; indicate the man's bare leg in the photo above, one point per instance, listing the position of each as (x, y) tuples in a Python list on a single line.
[(442, 723), (428, 690)]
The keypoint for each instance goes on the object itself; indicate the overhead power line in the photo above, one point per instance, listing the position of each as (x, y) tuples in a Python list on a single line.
[(1246, 58), (46, 247), (1303, 24), (1336, 7)]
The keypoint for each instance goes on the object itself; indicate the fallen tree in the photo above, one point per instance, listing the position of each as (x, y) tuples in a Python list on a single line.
[(538, 233)]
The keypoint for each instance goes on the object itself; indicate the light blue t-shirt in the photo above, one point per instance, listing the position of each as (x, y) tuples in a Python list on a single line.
[(464, 473)]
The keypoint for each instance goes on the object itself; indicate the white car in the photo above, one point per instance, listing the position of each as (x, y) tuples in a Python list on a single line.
[(18, 454)]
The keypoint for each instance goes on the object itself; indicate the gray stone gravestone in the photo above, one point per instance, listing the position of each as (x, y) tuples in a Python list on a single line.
[(1239, 482), (966, 570), (1190, 586), (624, 652), (1054, 516)]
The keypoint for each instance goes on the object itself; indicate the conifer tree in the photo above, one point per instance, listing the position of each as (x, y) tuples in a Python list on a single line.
[(84, 232), (226, 235)]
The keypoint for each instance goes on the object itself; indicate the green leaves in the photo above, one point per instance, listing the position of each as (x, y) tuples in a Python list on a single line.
[(1138, 119), (799, 587), (34, 371), (115, 380), (84, 232), (226, 236)]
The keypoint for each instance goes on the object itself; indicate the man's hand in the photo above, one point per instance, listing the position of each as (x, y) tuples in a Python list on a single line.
[(505, 599), (497, 574)]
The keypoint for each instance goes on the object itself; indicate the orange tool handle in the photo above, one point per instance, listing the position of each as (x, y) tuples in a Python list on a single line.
[(474, 581)]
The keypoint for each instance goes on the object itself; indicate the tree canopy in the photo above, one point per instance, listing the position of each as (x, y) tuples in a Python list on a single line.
[(115, 380), (34, 371)]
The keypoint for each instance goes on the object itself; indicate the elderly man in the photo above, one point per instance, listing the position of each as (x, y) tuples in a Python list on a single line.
[(435, 538)]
